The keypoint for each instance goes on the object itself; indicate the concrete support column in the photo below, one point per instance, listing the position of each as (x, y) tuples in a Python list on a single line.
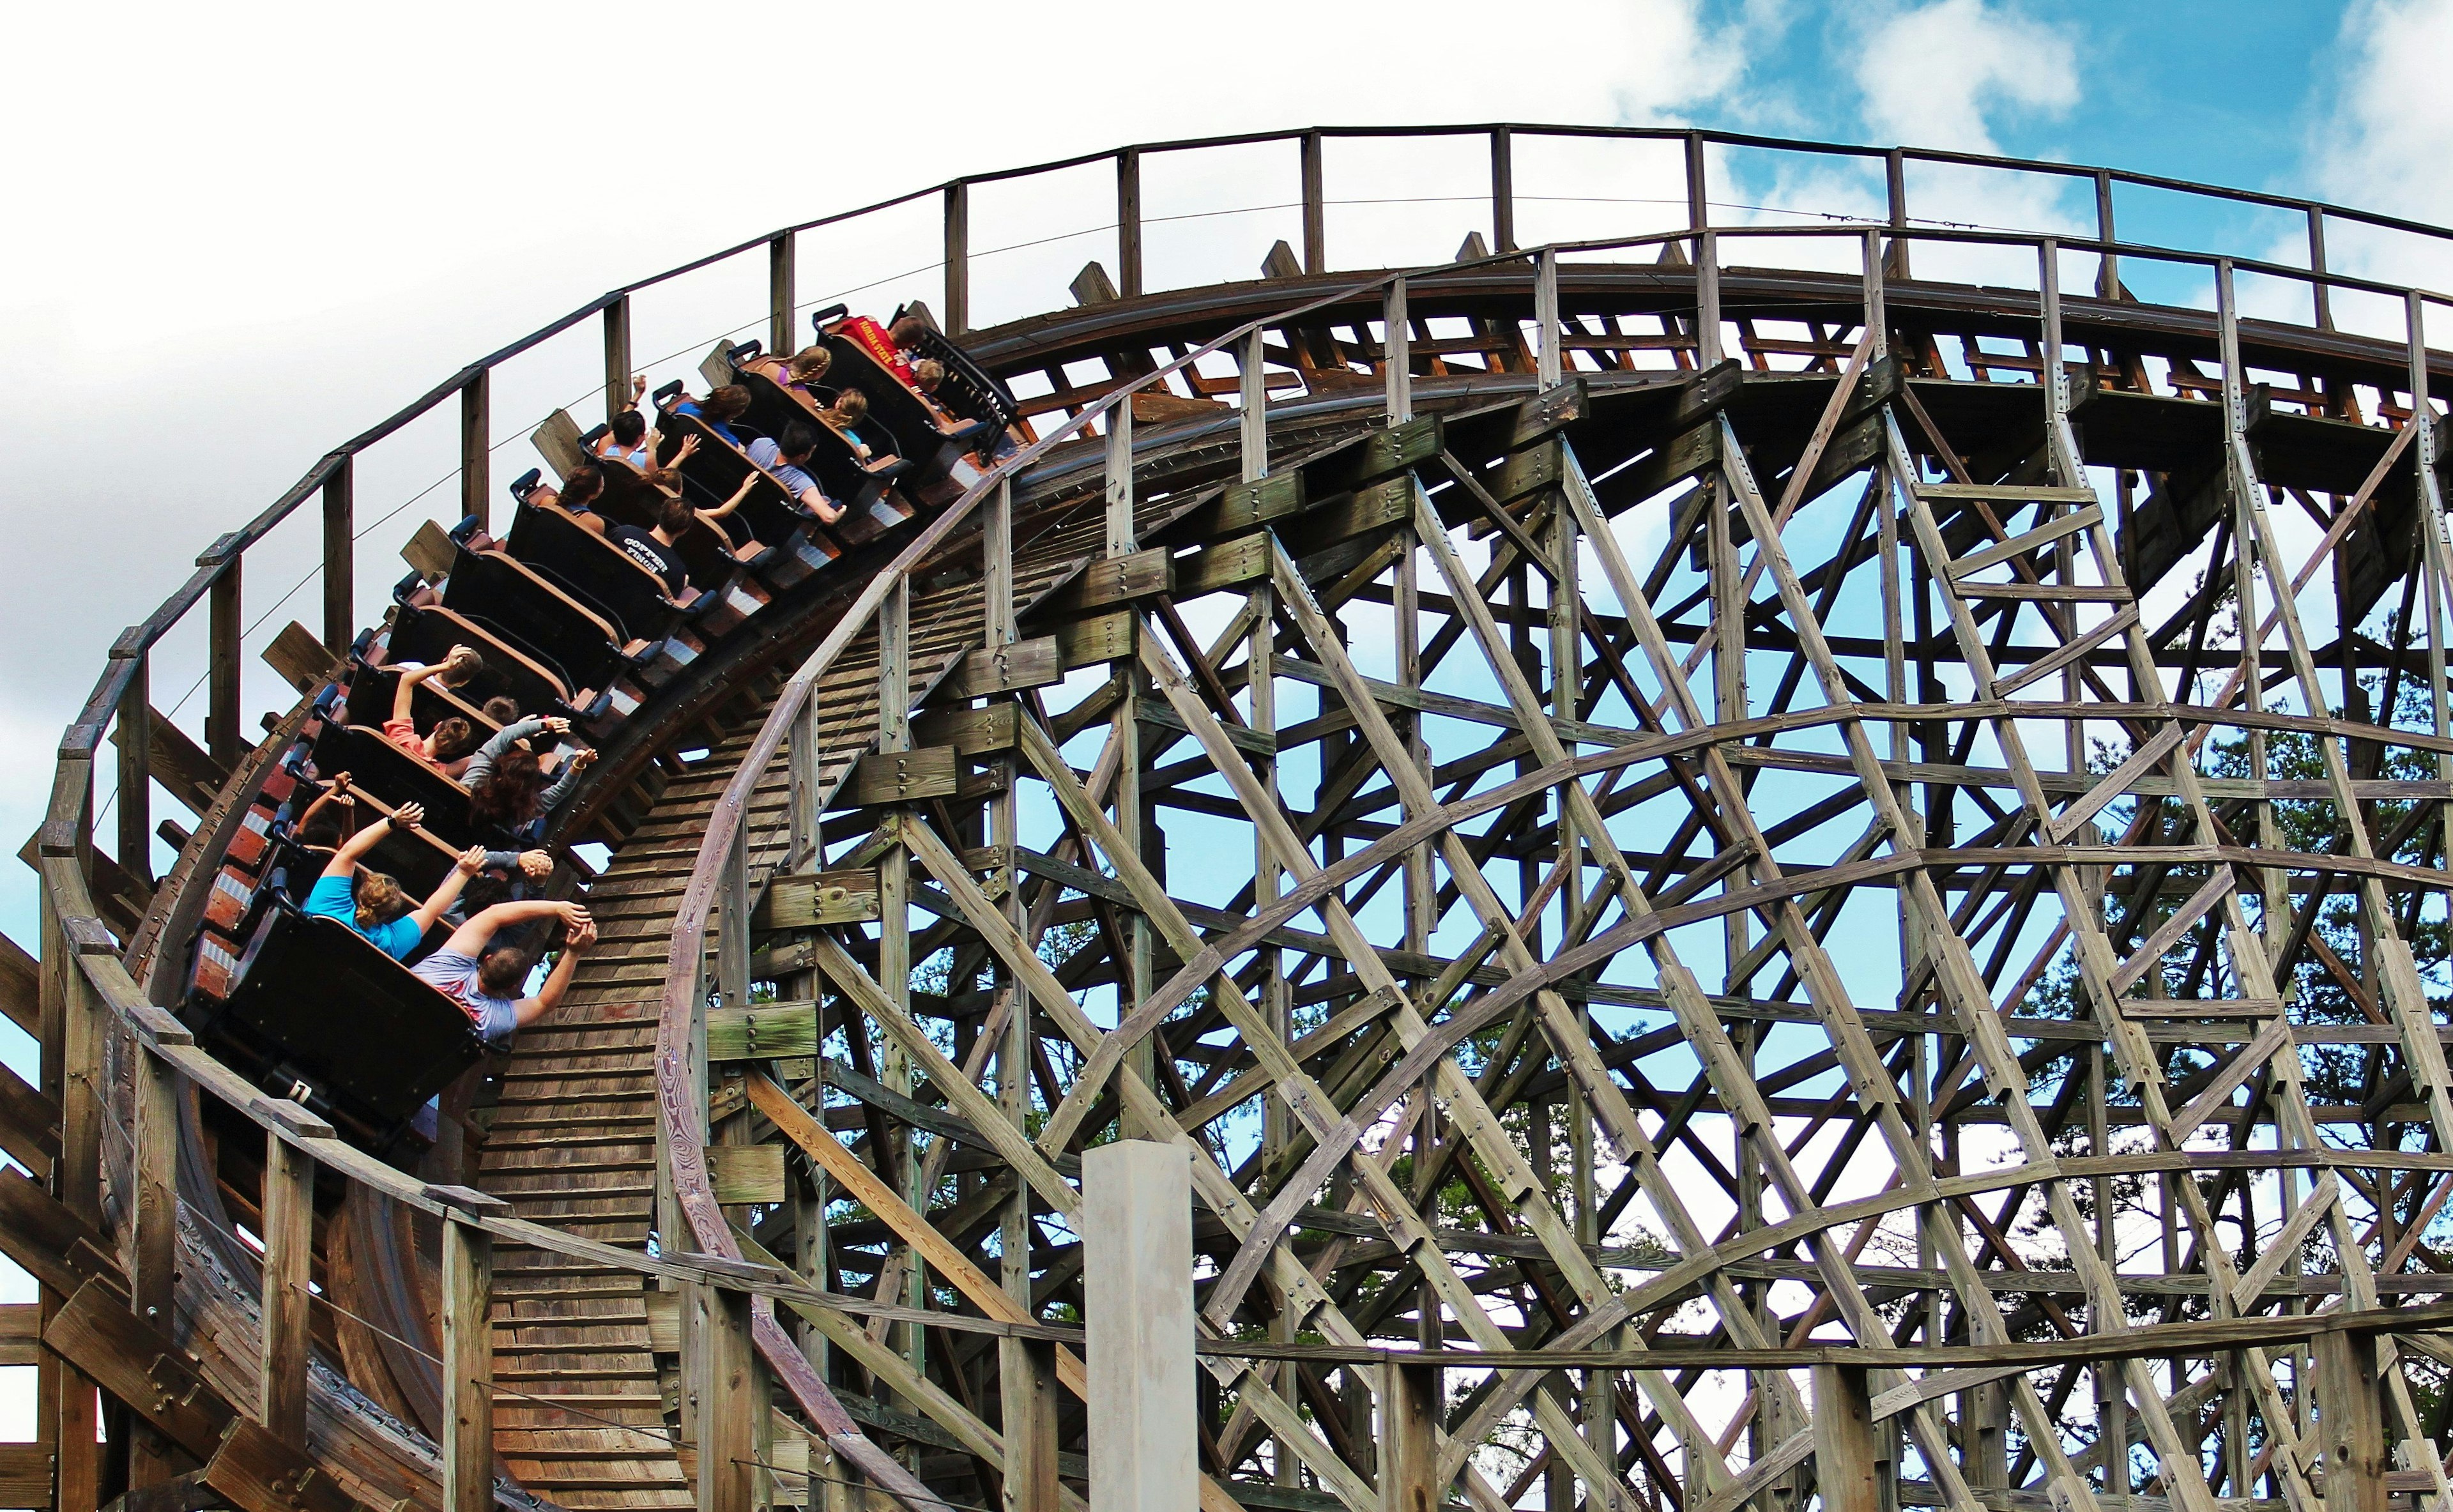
[(1137, 1271)]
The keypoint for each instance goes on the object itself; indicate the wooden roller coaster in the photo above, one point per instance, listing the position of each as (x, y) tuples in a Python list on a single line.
[(1753, 872)]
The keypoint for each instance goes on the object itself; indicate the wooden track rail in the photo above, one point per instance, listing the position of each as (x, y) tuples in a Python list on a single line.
[(1746, 886)]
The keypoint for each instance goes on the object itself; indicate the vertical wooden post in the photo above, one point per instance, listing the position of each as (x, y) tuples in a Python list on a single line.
[(68, 1410), (1699, 204), (901, 1161), (1409, 1415), (1121, 535), (154, 1219), (157, 1170), (1895, 186), (1707, 299), (340, 556), (617, 355), (476, 447), (2351, 1416), (1315, 207), (468, 1366), (223, 627), (288, 1269), (135, 759), (1845, 1456), (1502, 189), (730, 1405), (1545, 317), (958, 258), (2431, 519), (2107, 268), (1397, 354), (1026, 1373), (807, 844), (1137, 1271), (781, 268), (1255, 416), (1129, 222), (2320, 294)]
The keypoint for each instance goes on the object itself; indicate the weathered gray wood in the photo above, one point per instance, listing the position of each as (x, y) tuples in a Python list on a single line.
[(734, 1399), (1137, 1238)]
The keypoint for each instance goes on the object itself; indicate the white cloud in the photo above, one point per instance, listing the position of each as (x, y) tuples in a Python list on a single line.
[(1932, 74), (244, 234), (2381, 111)]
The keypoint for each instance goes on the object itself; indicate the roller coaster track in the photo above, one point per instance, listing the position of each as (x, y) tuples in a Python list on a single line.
[(1415, 971)]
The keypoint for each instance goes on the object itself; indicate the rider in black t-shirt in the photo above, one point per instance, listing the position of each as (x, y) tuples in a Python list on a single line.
[(658, 549)]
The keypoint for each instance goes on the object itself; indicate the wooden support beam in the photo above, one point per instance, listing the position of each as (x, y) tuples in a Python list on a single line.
[(288, 1269), (1137, 1273), (2351, 1417), (222, 630), (617, 356), (733, 1398), (1409, 1419), (340, 555), (468, 1367), (958, 258), (1847, 1459), (782, 266), (1315, 207), (476, 447)]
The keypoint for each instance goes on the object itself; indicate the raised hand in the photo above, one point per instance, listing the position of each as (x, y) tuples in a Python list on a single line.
[(409, 816), (471, 862), (537, 864), (556, 725), (580, 936)]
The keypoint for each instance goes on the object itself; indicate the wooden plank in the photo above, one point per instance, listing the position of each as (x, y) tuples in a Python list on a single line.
[(20, 987), (26, 1475), (2142, 762), (557, 440), (742, 1174), (1396, 450), (1674, 461), (903, 777), (818, 898), (1102, 638), (1367, 509), (2026, 541), (140, 1365), (1247, 504), (191, 1492), (431, 552), (2005, 493), (21, 1333), (969, 731), (39, 1232), (762, 1031), (1243, 560), (1034, 663), (1537, 466), (303, 661), (2044, 666), (1846, 1459), (257, 1471), (29, 1125), (1116, 580)]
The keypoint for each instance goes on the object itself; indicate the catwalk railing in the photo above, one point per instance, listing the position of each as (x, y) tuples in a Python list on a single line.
[(75, 931)]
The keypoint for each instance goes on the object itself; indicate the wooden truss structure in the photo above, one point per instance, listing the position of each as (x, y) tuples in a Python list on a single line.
[(1745, 885)]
